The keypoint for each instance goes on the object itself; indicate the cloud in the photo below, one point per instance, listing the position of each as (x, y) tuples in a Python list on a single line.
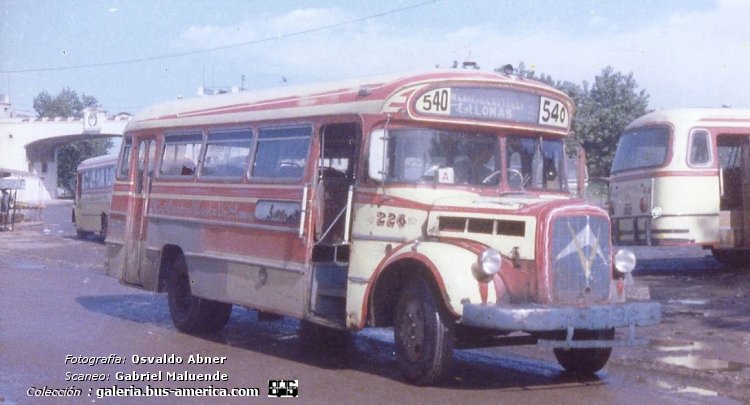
[(261, 27), (305, 19)]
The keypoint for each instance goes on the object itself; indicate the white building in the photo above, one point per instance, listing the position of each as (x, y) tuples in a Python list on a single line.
[(28, 145)]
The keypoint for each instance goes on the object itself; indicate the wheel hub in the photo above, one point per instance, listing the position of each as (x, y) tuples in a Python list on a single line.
[(412, 331)]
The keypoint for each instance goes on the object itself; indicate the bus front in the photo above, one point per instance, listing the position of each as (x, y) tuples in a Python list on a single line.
[(465, 228)]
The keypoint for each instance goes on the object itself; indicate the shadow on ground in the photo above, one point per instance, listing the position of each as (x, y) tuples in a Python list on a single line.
[(369, 351)]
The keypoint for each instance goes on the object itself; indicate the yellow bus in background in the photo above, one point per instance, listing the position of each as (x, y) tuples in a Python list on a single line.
[(93, 195)]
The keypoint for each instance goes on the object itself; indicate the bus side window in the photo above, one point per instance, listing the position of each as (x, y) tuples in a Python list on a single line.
[(125, 159), (282, 152), (699, 148), (181, 153), (227, 153)]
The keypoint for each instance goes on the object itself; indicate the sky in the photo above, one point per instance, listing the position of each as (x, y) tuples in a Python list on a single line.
[(130, 54)]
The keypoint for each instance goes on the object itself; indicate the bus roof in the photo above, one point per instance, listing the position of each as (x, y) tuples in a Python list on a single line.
[(730, 117), (355, 96), (98, 161)]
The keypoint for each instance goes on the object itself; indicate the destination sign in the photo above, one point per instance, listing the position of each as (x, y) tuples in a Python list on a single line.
[(492, 104)]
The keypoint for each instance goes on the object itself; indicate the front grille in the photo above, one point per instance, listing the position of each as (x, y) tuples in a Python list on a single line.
[(581, 259)]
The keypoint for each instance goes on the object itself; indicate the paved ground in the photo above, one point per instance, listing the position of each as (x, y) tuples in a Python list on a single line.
[(56, 301)]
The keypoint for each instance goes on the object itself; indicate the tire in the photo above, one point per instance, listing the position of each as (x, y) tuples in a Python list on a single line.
[(104, 226), (424, 335), (586, 361), (732, 258), (191, 314)]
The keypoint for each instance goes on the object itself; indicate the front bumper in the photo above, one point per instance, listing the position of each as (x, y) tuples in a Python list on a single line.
[(545, 318)]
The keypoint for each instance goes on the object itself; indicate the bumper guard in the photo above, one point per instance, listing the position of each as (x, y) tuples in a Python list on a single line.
[(544, 318)]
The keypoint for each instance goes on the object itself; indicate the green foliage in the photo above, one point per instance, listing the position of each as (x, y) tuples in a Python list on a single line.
[(611, 104), (602, 112), (65, 104), (68, 104), (71, 155)]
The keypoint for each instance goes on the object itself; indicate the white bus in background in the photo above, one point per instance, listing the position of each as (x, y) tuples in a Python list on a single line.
[(93, 195), (677, 179)]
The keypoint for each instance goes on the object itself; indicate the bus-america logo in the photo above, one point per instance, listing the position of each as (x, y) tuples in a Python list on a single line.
[(283, 388)]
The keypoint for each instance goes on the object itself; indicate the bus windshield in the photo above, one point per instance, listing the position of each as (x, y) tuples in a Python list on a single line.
[(451, 157), (469, 158), (535, 163), (641, 148)]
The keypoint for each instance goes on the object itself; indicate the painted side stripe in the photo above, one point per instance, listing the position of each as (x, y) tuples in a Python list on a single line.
[(664, 173), (294, 267), (206, 185), (193, 197), (224, 223)]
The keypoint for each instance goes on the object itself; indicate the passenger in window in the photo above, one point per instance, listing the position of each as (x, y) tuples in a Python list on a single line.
[(188, 167)]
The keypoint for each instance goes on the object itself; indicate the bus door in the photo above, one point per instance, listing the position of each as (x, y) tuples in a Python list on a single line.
[(332, 210), (135, 234), (730, 149), (746, 194)]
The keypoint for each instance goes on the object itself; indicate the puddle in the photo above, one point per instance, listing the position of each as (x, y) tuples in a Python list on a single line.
[(698, 391), (672, 345), (689, 302), (699, 363), (687, 389)]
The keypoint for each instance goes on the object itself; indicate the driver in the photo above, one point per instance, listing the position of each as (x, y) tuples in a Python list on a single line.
[(479, 166)]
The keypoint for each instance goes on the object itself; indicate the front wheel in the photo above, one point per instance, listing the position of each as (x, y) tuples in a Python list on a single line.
[(732, 258), (104, 224), (191, 314), (423, 333), (586, 361)]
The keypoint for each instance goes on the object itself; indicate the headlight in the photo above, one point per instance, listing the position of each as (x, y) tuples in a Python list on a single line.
[(656, 212), (488, 264), (625, 261)]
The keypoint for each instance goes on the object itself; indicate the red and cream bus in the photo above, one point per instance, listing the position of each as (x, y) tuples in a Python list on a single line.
[(677, 179), (435, 203), (95, 178)]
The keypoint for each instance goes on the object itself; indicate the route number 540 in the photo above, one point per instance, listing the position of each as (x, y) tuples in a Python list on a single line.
[(436, 101), (553, 112)]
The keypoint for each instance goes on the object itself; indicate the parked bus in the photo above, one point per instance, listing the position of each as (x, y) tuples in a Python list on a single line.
[(95, 178), (677, 180), (434, 203)]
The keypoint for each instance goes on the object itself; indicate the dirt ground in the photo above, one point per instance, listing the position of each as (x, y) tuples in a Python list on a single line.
[(703, 341)]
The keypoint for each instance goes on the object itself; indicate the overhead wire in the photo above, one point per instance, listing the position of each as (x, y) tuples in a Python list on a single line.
[(220, 48)]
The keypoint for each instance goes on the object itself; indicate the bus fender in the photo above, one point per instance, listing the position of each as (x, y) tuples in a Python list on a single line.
[(446, 266)]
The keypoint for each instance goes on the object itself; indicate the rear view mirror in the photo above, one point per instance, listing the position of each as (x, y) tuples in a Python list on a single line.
[(582, 173), (377, 163)]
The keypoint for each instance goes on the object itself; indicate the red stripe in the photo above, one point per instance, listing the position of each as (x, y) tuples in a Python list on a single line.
[(664, 173)]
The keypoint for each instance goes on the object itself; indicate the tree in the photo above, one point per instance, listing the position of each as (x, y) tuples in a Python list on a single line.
[(65, 104), (68, 104), (602, 112), (71, 155), (609, 106)]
